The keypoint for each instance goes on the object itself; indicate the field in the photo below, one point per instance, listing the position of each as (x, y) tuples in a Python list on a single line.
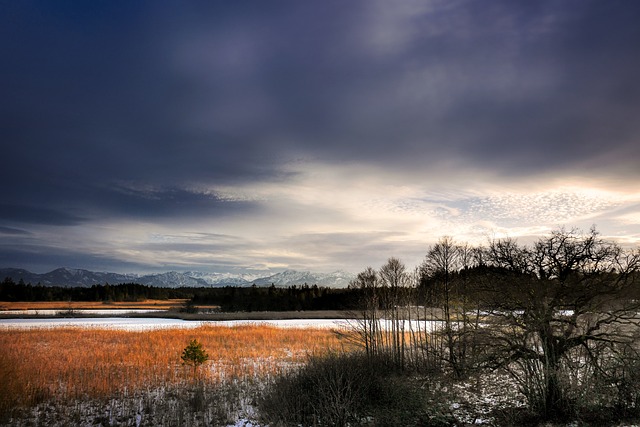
[(66, 365)]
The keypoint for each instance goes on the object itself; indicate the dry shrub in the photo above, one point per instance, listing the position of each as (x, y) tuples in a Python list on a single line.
[(349, 389)]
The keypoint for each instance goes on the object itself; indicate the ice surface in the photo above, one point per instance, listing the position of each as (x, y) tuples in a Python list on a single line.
[(141, 324)]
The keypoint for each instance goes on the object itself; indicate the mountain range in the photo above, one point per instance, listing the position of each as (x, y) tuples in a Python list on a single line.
[(173, 279)]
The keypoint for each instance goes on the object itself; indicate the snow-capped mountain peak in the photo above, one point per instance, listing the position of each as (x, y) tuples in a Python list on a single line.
[(85, 278)]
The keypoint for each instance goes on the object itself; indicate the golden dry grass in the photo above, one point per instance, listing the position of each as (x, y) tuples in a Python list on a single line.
[(69, 363)]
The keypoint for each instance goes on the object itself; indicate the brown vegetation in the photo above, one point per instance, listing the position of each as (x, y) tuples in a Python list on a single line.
[(68, 363)]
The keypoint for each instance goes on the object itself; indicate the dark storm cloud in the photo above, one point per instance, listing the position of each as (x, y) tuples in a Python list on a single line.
[(512, 87), (88, 97), (158, 203), (151, 110), (43, 258), (13, 231), (583, 113), (37, 215), (220, 93), (518, 89)]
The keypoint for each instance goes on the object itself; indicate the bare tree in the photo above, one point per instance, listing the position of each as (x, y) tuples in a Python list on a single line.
[(561, 307), (438, 268), (446, 282), (368, 324), (394, 280), (383, 326)]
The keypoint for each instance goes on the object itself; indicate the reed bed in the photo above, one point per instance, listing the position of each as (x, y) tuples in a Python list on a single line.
[(66, 364)]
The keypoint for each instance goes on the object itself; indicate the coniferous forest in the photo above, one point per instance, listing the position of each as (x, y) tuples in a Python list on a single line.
[(228, 298)]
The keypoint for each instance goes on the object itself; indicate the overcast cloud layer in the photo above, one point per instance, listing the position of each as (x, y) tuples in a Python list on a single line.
[(264, 135)]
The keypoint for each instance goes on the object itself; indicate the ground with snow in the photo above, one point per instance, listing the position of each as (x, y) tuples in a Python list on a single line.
[(470, 403), (142, 324)]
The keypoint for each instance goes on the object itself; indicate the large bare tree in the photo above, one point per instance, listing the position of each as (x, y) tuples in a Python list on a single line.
[(562, 308)]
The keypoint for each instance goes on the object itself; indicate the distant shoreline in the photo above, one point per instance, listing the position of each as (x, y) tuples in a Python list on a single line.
[(218, 316)]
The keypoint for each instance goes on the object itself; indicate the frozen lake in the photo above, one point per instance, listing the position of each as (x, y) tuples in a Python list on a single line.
[(143, 324)]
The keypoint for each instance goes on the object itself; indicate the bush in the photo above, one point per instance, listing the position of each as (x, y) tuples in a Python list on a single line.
[(348, 389)]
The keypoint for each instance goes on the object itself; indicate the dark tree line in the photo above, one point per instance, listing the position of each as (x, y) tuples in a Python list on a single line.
[(229, 298), (293, 298), (11, 291)]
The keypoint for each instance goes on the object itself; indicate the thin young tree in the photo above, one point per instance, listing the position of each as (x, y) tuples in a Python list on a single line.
[(194, 355), (368, 327), (447, 289), (395, 280)]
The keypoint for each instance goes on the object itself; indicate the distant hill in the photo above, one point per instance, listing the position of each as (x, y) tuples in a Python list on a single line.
[(337, 279), (66, 277), (173, 279)]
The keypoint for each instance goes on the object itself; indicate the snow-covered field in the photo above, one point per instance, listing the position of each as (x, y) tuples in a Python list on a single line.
[(141, 324), (185, 406), (472, 402)]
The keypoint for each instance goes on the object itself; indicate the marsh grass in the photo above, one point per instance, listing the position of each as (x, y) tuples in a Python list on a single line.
[(70, 364)]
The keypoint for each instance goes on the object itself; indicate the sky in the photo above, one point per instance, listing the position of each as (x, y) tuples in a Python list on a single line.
[(258, 136)]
